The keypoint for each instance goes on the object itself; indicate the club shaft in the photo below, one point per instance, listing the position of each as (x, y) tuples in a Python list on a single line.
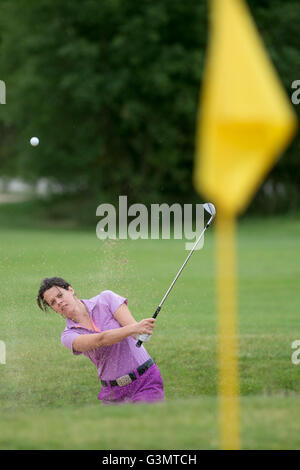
[(181, 269), (139, 343)]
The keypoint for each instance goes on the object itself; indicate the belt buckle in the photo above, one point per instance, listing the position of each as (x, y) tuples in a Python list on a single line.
[(124, 380)]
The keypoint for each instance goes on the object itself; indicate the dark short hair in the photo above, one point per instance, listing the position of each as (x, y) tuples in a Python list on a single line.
[(46, 284)]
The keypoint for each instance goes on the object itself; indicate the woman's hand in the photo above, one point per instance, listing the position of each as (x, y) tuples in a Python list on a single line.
[(124, 317), (145, 326)]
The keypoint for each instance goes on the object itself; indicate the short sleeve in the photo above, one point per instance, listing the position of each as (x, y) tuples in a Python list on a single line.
[(113, 300), (67, 339)]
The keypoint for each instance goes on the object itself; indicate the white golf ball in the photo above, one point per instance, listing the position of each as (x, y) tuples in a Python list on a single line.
[(34, 141)]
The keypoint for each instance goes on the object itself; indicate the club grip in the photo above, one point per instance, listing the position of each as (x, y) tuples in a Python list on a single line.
[(156, 312), (139, 343)]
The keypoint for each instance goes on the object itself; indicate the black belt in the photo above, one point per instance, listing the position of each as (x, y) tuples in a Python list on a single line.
[(128, 378)]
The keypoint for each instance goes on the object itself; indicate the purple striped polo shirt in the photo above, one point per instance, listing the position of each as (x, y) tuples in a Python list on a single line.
[(111, 361)]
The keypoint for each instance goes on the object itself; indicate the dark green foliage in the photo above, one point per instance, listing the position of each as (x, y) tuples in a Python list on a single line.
[(111, 89)]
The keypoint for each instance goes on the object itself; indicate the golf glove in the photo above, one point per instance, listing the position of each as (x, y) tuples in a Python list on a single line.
[(143, 337)]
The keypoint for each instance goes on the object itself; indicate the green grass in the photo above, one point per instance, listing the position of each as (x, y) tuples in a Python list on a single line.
[(48, 397)]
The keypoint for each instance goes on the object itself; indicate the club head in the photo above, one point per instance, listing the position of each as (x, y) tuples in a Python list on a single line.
[(210, 208)]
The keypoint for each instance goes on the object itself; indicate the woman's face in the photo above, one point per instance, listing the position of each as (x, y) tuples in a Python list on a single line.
[(61, 300)]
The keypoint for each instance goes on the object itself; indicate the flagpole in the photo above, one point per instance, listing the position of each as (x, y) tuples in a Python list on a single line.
[(227, 332)]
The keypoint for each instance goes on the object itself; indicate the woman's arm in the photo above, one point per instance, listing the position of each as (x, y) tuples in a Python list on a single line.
[(88, 342), (124, 316)]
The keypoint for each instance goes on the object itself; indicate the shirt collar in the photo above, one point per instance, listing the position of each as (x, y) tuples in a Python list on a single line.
[(90, 305)]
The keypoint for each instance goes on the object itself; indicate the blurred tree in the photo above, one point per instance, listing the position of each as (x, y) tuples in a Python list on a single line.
[(111, 89), (278, 22)]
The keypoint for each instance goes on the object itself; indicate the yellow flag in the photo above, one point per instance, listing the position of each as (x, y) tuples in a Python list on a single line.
[(245, 118)]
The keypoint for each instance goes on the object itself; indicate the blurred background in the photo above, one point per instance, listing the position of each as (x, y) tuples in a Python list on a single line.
[(111, 89)]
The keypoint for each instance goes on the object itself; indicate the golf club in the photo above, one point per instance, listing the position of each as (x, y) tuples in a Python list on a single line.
[(210, 208)]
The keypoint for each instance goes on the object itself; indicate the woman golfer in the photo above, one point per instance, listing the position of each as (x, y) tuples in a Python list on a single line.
[(103, 329)]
